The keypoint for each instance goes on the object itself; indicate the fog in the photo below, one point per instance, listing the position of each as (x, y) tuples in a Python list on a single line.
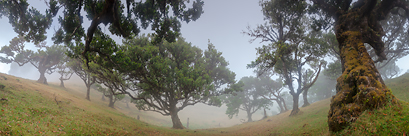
[(222, 27), (200, 116), (219, 26)]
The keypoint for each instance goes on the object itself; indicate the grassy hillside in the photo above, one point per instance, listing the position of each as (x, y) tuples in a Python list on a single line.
[(391, 120), (29, 108)]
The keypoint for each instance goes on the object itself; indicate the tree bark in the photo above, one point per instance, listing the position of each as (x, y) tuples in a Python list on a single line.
[(111, 101), (175, 118), (42, 78), (280, 105), (284, 105), (249, 114), (265, 114), (360, 87), (304, 96), (88, 92), (295, 110), (62, 83)]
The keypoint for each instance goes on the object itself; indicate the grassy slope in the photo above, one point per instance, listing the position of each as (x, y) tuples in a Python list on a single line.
[(31, 108), (391, 120)]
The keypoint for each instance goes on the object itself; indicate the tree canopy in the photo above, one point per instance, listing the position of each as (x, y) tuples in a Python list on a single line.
[(45, 59), (248, 100), (165, 77), (292, 47), (272, 90), (78, 67), (122, 18)]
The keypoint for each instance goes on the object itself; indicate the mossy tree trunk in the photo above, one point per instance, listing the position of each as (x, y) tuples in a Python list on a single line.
[(360, 87)]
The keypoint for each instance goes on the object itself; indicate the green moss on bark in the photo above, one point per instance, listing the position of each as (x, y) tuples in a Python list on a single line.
[(360, 87)]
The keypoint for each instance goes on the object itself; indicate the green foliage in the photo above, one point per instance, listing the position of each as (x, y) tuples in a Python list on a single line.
[(77, 65), (79, 68), (272, 90), (45, 60), (99, 88), (177, 72), (164, 77), (28, 21), (249, 100), (109, 93), (323, 88), (122, 19), (15, 52), (293, 48), (333, 70)]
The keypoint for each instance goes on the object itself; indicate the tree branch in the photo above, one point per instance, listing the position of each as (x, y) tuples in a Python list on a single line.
[(327, 8)]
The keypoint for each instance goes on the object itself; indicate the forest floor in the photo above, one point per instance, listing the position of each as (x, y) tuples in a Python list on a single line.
[(30, 108)]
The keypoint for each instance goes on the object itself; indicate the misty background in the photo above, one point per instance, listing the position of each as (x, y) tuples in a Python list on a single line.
[(222, 23)]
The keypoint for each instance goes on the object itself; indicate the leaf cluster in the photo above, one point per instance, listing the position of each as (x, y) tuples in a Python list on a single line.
[(46, 59), (158, 76), (123, 19), (250, 99)]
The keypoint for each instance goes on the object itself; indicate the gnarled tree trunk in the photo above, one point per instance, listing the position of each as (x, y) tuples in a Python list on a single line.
[(249, 114), (62, 83), (42, 78), (360, 87), (111, 101), (175, 118), (280, 105), (265, 114), (284, 105), (295, 110)]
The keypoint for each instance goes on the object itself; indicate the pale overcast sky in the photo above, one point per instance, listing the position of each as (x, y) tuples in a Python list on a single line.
[(222, 24)]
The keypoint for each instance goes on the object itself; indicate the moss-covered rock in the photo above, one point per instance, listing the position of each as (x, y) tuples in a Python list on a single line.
[(360, 87)]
